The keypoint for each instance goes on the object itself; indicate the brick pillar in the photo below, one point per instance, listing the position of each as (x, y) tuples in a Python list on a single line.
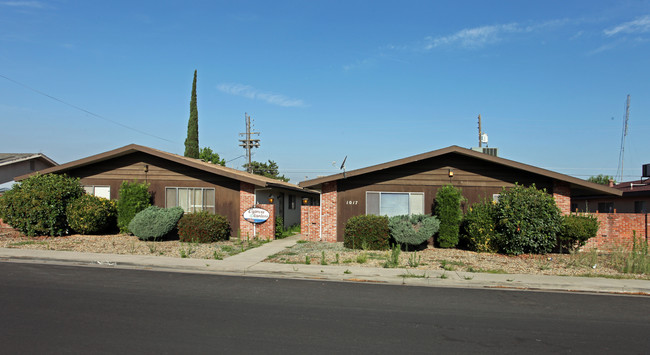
[(329, 212), (310, 223), (246, 201), (562, 196), (266, 230)]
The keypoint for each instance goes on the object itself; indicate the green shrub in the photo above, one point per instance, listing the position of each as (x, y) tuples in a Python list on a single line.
[(448, 211), (279, 228), (367, 232), (203, 227), (478, 230), (134, 197), (90, 214), (155, 223), (528, 221), (37, 205), (576, 230), (414, 229)]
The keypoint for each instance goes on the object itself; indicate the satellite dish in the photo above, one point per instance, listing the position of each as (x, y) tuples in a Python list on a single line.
[(343, 164)]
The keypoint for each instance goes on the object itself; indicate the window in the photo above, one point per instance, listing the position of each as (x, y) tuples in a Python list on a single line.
[(292, 202), (99, 191), (191, 199), (640, 207), (394, 203), (606, 207)]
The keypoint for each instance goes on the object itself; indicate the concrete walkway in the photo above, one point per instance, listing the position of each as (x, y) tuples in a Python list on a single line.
[(251, 263)]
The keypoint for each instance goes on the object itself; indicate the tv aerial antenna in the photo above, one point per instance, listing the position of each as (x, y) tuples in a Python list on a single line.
[(621, 156)]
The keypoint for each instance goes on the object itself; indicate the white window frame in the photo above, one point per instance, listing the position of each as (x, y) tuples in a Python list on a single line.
[(402, 193), (194, 207), (93, 191)]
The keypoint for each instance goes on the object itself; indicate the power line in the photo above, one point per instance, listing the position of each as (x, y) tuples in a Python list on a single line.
[(86, 111)]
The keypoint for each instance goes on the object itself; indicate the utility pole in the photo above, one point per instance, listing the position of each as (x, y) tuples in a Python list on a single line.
[(479, 131), (249, 143)]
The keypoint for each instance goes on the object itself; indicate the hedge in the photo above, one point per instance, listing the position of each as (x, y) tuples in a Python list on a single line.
[(367, 232), (203, 227)]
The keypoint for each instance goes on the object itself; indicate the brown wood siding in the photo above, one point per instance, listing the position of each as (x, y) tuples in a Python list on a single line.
[(160, 174), (476, 178)]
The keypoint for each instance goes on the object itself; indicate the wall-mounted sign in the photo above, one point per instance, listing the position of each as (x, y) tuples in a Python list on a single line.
[(256, 215)]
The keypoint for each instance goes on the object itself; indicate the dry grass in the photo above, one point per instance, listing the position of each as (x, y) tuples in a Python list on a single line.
[(589, 263)]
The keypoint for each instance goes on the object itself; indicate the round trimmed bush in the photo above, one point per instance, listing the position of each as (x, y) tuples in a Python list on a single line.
[(414, 229), (528, 221), (92, 215), (155, 223), (203, 227), (367, 232), (37, 205)]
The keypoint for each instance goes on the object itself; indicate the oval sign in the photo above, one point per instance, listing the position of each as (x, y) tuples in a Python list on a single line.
[(256, 215)]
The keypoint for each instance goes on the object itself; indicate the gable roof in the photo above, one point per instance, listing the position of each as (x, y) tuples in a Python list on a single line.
[(191, 162), (572, 181), (12, 158)]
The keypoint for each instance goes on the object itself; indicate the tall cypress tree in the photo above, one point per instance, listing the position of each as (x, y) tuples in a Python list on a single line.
[(192, 140)]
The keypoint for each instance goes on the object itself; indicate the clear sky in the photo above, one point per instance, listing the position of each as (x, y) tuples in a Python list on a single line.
[(371, 80)]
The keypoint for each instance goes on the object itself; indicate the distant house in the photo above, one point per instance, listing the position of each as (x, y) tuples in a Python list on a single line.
[(635, 199), (190, 183), (409, 186), (16, 164)]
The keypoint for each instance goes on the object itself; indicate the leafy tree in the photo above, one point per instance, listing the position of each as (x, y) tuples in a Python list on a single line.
[(192, 140), (601, 179), (206, 154), (269, 169)]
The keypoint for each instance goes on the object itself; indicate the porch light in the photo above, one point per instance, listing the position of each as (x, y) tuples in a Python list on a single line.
[(271, 198), (305, 201), (451, 173)]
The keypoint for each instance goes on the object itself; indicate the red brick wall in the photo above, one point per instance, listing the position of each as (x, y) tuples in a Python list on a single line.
[(616, 230), (310, 222), (266, 230), (329, 211), (562, 196), (248, 229), (246, 201)]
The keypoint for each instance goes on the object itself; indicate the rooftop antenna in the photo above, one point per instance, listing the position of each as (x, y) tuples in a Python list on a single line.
[(621, 156), (480, 132), (343, 165)]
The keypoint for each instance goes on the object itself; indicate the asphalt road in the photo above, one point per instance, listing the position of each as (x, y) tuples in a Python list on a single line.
[(66, 309)]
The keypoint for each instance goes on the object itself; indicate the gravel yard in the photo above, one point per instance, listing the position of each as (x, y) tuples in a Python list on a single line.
[(587, 263), (128, 244)]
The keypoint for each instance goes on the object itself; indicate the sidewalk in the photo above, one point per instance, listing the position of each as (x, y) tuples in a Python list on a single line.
[(250, 263)]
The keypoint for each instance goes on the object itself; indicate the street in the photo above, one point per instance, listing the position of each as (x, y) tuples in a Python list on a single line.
[(68, 309)]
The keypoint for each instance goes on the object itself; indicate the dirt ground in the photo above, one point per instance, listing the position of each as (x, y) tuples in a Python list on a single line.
[(587, 263)]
